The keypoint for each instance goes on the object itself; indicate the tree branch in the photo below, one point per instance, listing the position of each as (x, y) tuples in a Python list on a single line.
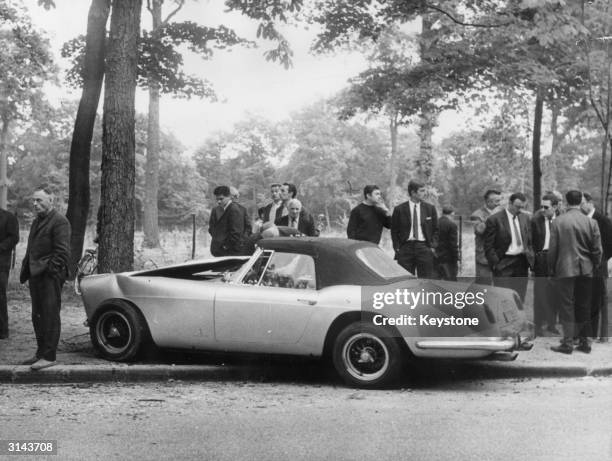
[(179, 5), (461, 23), (149, 6)]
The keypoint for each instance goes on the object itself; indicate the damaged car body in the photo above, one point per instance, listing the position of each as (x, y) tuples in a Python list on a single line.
[(312, 297)]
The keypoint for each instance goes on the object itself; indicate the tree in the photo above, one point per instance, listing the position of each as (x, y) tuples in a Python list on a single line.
[(160, 64), (118, 177), (25, 65), (116, 212), (92, 75)]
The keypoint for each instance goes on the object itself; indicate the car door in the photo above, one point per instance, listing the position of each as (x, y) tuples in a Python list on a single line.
[(270, 306)]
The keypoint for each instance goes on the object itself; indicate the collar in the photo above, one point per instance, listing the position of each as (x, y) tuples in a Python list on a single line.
[(510, 215), (414, 203), (591, 213)]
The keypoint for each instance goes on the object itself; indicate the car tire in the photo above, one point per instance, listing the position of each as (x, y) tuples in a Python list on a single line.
[(367, 356), (118, 331)]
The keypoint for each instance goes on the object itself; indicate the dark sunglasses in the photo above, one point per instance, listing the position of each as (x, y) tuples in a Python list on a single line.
[(545, 207)]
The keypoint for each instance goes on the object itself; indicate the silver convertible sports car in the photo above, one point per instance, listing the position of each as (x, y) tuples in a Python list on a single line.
[(337, 298)]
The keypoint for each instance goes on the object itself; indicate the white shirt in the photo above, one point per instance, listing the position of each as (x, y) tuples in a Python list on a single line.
[(273, 209), (547, 232), (514, 248), (419, 235)]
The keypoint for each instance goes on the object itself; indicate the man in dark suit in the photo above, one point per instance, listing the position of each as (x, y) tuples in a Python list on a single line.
[(447, 252), (299, 219), (9, 236), (599, 305), (226, 225), (544, 292), (573, 256), (273, 210), (45, 265), (507, 244), (414, 231)]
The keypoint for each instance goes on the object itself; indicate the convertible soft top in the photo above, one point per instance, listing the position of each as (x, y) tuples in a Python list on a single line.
[(335, 259)]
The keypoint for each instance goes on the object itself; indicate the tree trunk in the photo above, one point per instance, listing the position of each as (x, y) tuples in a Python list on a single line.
[(427, 120), (4, 162), (425, 161), (535, 150), (556, 142), (116, 212), (151, 224), (80, 149), (391, 196)]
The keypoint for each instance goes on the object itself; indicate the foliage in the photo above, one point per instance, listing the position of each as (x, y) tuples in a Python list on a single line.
[(25, 65)]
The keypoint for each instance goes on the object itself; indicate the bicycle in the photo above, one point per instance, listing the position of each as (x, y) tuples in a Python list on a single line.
[(88, 265)]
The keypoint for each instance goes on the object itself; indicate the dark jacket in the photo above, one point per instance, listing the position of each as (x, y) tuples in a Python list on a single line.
[(448, 249), (538, 231), (605, 232), (575, 245), (226, 227), (306, 224), (9, 236), (264, 212), (401, 224), (366, 223), (498, 237), (48, 248)]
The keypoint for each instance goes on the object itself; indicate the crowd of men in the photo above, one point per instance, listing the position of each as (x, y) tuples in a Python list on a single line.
[(566, 248), (230, 225)]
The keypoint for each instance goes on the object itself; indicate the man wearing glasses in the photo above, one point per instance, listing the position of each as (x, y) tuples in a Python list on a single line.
[(544, 302)]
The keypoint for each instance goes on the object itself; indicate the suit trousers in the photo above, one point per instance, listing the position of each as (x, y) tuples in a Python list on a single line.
[(574, 306), (4, 326), (484, 276), (544, 294), (46, 292), (414, 255), (599, 304), (512, 272)]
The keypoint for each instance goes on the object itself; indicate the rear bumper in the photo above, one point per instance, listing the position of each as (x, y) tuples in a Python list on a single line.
[(471, 344)]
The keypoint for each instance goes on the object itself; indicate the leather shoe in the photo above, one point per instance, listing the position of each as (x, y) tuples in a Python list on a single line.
[(42, 363), (30, 361), (584, 347), (562, 348)]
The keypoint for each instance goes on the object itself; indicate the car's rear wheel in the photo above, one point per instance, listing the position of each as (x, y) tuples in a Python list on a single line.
[(118, 331), (367, 355)]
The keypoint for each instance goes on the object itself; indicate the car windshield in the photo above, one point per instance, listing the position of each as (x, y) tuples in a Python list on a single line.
[(381, 263)]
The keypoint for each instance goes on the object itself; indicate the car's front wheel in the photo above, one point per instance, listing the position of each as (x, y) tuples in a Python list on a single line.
[(367, 355), (118, 331)]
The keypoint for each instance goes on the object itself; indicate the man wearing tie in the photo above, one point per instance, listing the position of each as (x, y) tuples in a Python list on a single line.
[(414, 231), (544, 301), (507, 244), (298, 219)]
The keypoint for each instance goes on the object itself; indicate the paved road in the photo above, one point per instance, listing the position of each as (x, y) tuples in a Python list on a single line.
[(560, 419)]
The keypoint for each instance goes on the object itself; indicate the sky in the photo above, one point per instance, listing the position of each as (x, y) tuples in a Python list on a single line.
[(243, 79)]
